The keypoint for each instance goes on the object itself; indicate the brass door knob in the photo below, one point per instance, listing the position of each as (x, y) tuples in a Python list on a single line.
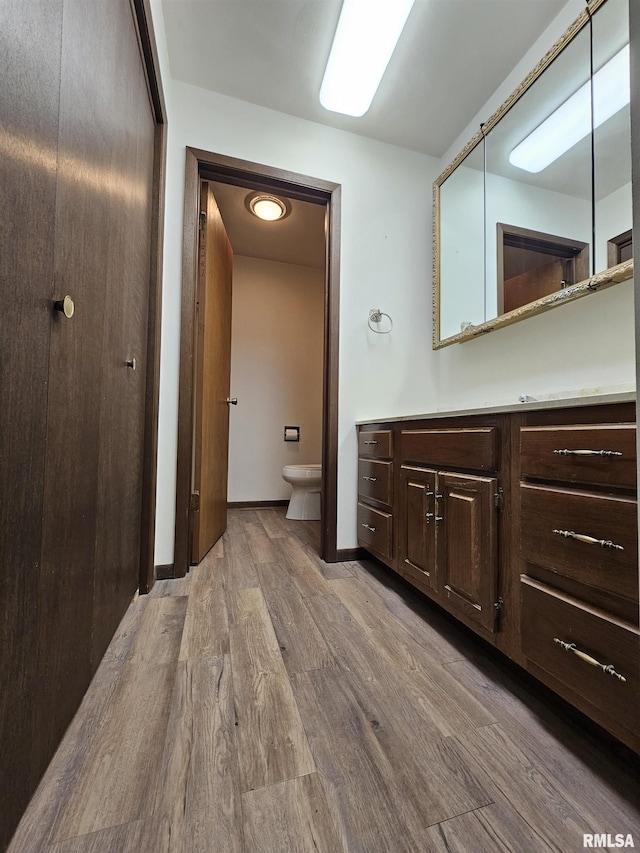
[(65, 306)]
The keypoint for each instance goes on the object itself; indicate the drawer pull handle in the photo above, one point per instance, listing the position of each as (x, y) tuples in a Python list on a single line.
[(587, 452), (371, 442), (369, 527), (371, 479), (605, 667), (589, 540)]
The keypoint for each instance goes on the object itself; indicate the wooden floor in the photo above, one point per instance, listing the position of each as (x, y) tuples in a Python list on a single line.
[(271, 702)]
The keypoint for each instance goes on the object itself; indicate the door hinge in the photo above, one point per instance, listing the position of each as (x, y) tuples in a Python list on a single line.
[(498, 500), (498, 609), (194, 504), (203, 221)]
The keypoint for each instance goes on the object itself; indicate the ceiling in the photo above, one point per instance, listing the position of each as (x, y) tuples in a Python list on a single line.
[(452, 56), (297, 239)]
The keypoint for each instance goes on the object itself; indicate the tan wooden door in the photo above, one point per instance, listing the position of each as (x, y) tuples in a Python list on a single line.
[(212, 380)]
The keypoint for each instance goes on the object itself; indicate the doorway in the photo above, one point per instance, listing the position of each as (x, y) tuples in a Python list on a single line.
[(203, 165)]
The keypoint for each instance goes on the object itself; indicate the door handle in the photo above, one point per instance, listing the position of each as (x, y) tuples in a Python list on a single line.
[(232, 401), (65, 306)]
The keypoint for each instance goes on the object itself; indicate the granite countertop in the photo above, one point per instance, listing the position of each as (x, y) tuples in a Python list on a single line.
[(524, 404)]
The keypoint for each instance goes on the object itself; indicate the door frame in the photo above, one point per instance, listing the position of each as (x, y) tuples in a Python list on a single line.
[(217, 167), (143, 22)]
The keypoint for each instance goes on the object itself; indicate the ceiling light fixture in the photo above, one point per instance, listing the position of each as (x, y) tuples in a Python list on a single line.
[(366, 36), (571, 122), (267, 207)]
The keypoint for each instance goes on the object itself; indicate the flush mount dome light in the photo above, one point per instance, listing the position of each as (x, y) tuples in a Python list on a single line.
[(267, 207)]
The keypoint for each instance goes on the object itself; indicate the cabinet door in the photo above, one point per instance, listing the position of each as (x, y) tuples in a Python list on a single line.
[(466, 545), (417, 536)]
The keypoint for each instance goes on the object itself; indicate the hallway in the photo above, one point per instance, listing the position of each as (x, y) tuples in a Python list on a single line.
[(273, 703)]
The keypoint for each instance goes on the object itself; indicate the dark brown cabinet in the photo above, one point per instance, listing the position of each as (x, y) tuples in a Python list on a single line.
[(578, 541), (447, 540), (466, 546), (523, 525)]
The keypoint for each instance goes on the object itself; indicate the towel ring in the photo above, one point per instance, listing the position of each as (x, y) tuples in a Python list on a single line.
[(375, 316)]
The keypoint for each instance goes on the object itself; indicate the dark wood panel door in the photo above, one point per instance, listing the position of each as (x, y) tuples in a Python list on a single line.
[(123, 364), (419, 521), (466, 545), (212, 379), (30, 47)]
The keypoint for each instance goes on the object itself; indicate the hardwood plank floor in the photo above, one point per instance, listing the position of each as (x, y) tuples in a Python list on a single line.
[(271, 703)]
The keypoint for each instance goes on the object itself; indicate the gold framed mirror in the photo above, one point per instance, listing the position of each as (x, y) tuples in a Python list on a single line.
[(535, 211)]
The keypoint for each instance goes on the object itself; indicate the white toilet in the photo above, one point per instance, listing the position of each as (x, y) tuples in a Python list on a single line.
[(305, 481)]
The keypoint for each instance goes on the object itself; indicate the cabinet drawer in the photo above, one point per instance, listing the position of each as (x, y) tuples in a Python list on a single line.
[(549, 617), (456, 448), (375, 480), (607, 558), (604, 454), (374, 530), (378, 443)]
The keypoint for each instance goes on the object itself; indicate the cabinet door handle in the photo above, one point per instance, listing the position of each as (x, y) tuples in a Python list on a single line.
[(429, 494), (589, 540), (605, 667), (369, 527), (371, 442), (587, 452), (429, 515), (371, 479)]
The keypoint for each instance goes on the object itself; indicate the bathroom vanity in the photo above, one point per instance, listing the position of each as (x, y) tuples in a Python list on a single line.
[(521, 521)]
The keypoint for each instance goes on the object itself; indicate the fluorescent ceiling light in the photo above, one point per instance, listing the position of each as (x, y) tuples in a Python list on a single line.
[(571, 122), (367, 33)]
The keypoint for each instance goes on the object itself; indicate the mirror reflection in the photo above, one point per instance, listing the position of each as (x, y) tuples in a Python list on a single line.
[(542, 202)]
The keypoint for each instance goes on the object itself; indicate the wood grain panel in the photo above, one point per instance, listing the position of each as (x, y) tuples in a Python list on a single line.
[(303, 569), (212, 378), (375, 443), (383, 663), (538, 798), (602, 517), (116, 785), (272, 745), (539, 456), (206, 626), (375, 480), (290, 816), (496, 828), (466, 546), (125, 279), (547, 615), (472, 448), (197, 806), (49, 801), (300, 642), (385, 783), (116, 839), (417, 523), (30, 56), (375, 530)]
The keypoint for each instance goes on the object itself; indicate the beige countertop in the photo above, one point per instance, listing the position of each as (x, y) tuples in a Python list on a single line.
[(524, 404)]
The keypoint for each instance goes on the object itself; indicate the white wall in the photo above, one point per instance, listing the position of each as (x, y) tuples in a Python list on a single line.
[(386, 262), (276, 373)]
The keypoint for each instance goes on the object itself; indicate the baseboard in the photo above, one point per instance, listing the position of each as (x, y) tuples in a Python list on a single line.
[(254, 504), (165, 573), (347, 555)]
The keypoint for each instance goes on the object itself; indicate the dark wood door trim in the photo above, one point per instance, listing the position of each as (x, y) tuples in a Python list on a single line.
[(148, 50), (205, 164)]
